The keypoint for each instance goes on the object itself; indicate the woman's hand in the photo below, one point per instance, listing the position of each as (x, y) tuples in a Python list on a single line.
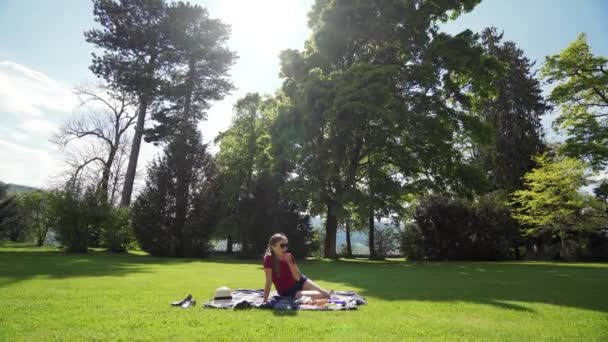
[(291, 262)]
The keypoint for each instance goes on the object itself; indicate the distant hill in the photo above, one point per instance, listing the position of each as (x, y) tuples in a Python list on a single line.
[(16, 188)]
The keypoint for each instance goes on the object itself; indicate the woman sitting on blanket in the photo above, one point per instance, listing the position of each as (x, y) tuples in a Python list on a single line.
[(281, 270)]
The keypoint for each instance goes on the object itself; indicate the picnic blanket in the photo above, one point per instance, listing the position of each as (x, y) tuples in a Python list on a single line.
[(247, 298)]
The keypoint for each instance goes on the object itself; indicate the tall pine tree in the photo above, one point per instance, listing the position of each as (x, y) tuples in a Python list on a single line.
[(197, 73), (133, 41), (513, 114)]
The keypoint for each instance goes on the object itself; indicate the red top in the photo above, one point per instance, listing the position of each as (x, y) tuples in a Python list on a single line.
[(285, 280)]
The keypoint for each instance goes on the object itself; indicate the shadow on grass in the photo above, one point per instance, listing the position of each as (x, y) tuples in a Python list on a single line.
[(505, 285), (19, 263)]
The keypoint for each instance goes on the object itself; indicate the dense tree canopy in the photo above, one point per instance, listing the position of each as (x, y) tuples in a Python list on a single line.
[(581, 94), (377, 85)]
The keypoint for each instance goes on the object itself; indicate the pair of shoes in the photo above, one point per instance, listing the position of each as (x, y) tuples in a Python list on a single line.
[(186, 302)]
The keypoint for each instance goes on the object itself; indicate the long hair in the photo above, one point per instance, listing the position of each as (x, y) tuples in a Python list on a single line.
[(275, 260)]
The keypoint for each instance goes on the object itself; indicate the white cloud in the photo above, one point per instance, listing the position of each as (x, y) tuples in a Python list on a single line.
[(18, 136), (26, 91), (37, 126), (24, 165), (30, 105)]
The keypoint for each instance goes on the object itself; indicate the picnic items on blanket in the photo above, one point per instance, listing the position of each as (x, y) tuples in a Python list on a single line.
[(246, 298), (186, 302)]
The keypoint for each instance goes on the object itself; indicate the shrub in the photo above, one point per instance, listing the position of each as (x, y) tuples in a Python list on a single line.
[(598, 246), (457, 229), (117, 231), (412, 244), (386, 241), (73, 220), (316, 243), (495, 234)]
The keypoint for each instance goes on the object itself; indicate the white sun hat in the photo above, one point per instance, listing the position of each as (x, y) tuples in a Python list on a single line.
[(222, 294)]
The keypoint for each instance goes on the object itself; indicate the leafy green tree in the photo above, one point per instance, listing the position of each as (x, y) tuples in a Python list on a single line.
[(37, 213), (257, 196), (368, 67), (551, 201), (245, 150), (581, 93), (75, 217)]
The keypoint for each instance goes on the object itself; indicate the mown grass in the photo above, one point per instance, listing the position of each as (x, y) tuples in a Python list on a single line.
[(48, 295)]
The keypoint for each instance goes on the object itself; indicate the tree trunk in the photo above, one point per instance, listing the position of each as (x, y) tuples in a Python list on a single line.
[(181, 193), (127, 188), (561, 237), (41, 230), (182, 176), (229, 244), (349, 249), (331, 227), (372, 242), (105, 175)]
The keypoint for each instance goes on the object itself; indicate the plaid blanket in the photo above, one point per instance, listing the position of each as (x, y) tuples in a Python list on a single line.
[(246, 298)]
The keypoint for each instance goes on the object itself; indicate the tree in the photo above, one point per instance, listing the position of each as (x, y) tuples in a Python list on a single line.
[(550, 202), (257, 193), (117, 233), (199, 65), (154, 212), (244, 153), (8, 212), (75, 216), (601, 192), (581, 93), (370, 66), (37, 214), (103, 138), (133, 40), (512, 111)]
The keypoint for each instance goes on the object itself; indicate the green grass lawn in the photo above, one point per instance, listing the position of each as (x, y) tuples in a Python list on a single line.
[(48, 295)]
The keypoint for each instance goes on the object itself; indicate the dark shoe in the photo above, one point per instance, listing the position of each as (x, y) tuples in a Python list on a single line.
[(189, 297), (188, 303)]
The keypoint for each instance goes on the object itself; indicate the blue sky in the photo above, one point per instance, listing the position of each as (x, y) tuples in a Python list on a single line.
[(43, 56)]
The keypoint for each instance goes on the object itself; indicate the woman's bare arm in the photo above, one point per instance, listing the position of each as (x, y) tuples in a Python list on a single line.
[(295, 271), (268, 273)]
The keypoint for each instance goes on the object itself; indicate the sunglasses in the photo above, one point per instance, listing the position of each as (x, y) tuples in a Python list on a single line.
[(283, 245)]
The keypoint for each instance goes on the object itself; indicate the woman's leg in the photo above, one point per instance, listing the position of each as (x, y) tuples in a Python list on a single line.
[(311, 294), (310, 285)]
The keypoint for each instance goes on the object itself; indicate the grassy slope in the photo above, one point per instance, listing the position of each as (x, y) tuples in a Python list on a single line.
[(45, 294)]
